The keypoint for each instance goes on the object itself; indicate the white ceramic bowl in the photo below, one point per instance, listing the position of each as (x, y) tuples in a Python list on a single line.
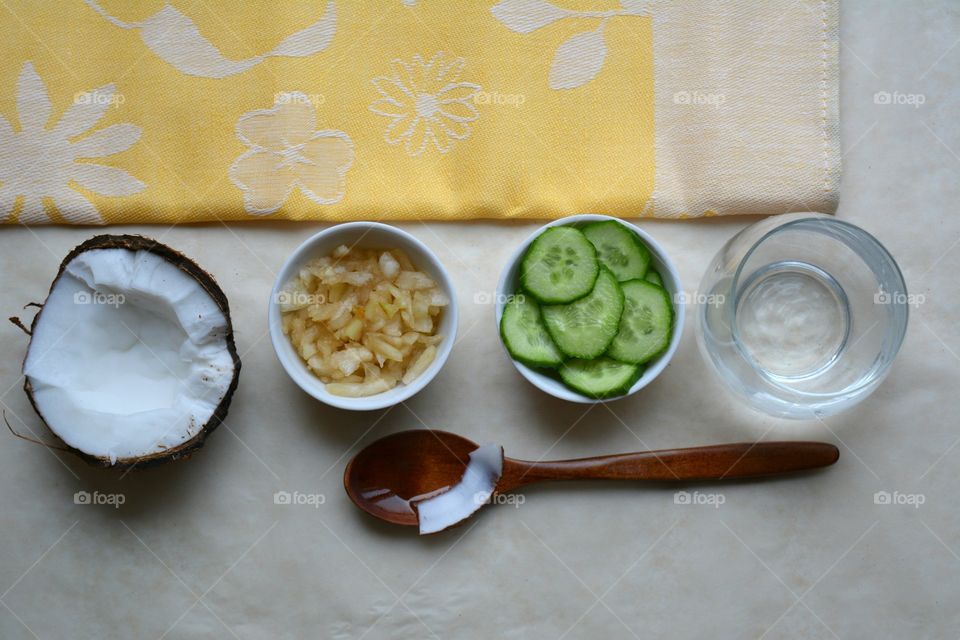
[(372, 235), (671, 281)]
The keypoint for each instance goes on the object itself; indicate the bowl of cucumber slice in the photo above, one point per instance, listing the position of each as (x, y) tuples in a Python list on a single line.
[(588, 308)]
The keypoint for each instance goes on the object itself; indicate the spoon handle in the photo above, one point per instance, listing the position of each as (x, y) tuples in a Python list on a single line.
[(716, 462)]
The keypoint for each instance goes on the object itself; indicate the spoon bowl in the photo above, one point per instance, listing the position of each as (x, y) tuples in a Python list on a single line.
[(387, 477)]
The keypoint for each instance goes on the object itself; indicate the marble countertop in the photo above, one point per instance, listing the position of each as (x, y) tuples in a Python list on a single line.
[(200, 549)]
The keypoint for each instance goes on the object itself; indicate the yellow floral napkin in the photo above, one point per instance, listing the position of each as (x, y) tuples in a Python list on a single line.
[(189, 110)]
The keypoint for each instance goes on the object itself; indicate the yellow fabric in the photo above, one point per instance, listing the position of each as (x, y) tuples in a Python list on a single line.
[(545, 153), (183, 111)]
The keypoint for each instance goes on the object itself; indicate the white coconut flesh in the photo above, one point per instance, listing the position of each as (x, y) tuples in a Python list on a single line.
[(129, 356), (467, 496)]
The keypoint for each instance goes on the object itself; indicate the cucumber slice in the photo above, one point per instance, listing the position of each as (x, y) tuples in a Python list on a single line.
[(601, 377), (618, 249), (653, 277), (646, 324), (585, 328), (560, 266), (523, 333)]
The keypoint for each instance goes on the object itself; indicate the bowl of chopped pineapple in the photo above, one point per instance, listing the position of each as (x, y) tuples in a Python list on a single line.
[(362, 316)]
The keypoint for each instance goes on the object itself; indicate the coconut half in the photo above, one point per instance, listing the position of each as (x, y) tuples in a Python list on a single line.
[(131, 360)]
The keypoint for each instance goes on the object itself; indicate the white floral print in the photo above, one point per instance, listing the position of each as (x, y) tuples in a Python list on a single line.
[(174, 37), (579, 59), (426, 102), (285, 152), (38, 162)]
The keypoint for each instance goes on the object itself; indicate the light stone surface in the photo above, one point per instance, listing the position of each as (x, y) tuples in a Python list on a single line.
[(199, 549)]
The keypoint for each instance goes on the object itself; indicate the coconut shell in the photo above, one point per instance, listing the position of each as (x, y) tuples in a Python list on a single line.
[(191, 268)]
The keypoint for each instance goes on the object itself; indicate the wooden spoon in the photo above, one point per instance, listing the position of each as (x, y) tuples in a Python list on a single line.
[(388, 477)]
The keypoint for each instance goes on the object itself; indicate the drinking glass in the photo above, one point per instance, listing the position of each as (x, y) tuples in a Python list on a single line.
[(801, 315)]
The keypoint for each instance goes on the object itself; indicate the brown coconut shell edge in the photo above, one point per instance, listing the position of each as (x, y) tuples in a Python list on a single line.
[(209, 284)]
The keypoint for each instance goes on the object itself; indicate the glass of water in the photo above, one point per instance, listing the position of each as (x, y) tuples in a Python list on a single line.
[(802, 314)]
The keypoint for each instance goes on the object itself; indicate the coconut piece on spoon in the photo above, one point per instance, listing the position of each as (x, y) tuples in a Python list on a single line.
[(467, 496), (131, 359)]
